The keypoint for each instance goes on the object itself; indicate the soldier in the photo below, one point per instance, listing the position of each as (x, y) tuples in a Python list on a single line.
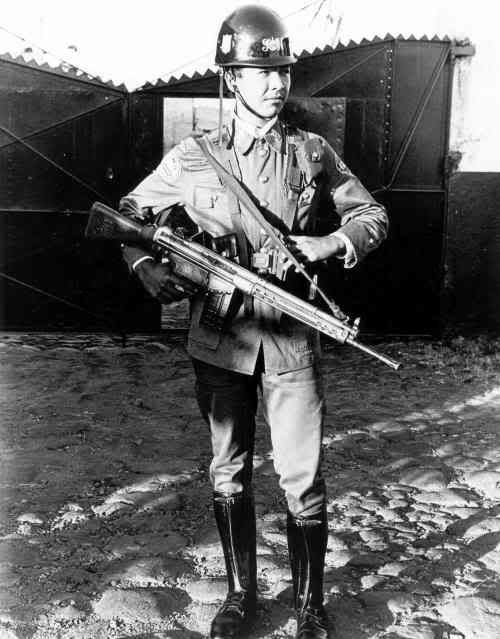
[(294, 176)]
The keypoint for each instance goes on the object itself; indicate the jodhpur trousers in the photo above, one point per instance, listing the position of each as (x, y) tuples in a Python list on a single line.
[(293, 408)]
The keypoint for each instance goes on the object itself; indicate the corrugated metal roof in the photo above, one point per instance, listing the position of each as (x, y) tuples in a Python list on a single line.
[(43, 62), (211, 72), (48, 63)]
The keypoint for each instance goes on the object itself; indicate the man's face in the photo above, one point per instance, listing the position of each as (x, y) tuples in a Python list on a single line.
[(265, 89)]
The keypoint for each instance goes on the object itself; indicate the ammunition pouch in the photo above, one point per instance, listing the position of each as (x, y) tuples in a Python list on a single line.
[(225, 245), (177, 219)]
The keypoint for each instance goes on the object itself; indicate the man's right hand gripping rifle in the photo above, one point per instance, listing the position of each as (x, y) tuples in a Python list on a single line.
[(157, 274), (162, 283)]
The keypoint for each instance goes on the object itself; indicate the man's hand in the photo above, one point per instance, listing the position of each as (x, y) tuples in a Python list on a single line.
[(312, 249), (162, 283)]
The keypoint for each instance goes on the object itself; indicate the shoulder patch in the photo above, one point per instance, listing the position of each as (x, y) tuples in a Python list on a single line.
[(340, 164)]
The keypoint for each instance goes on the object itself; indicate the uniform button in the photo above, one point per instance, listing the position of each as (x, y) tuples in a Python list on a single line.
[(264, 179)]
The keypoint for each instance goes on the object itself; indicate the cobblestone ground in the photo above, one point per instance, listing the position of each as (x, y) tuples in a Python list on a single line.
[(106, 530)]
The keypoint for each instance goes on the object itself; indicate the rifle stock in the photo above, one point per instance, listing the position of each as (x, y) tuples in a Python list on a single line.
[(199, 264)]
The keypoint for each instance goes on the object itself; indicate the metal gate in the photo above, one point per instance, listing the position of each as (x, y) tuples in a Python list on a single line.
[(63, 144)]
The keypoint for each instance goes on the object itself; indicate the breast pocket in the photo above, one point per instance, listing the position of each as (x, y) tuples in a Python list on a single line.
[(206, 197), (210, 210)]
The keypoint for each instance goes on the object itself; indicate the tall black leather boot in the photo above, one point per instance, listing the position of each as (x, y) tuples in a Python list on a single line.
[(307, 541), (235, 517)]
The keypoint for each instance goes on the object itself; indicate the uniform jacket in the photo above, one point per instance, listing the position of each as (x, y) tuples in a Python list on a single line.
[(300, 184)]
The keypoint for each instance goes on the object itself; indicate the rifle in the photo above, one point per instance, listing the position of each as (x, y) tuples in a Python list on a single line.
[(207, 268)]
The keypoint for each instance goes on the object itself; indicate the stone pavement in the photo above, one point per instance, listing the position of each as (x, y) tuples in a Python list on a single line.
[(105, 523)]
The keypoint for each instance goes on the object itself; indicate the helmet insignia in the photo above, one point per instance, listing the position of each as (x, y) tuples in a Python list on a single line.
[(271, 45), (226, 43)]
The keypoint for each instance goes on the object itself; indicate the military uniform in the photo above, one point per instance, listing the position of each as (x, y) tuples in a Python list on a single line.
[(294, 176)]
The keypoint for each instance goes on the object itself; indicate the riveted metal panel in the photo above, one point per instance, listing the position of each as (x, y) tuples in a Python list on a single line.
[(324, 116), (61, 141), (145, 136), (354, 72), (421, 87), (364, 140)]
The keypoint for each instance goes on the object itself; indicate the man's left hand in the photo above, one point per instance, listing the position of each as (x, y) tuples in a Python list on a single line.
[(312, 249)]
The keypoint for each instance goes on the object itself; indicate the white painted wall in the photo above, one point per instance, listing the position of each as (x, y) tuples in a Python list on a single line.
[(476, 108)]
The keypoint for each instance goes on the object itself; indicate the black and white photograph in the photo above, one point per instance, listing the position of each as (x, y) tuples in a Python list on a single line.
[(249, 320)]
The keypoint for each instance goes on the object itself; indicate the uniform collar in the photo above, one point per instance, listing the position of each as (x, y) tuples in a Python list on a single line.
[(244, 134)]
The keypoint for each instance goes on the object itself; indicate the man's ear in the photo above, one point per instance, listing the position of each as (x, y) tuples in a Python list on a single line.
[(229, 79)]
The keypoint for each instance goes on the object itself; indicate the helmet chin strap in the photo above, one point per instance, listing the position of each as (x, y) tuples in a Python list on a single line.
[(221, 102), (239, 95)]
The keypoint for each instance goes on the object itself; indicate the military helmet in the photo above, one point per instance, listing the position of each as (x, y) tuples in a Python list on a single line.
[(253, 36)]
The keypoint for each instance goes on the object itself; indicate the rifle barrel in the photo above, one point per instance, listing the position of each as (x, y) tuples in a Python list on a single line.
[(370, 351)]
